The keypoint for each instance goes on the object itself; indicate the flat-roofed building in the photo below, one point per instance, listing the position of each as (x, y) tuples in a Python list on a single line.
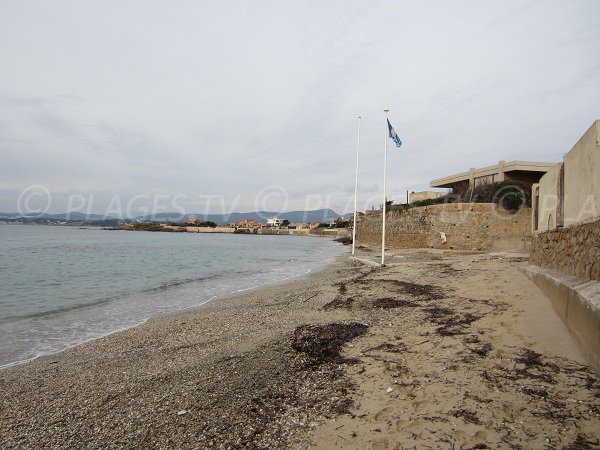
[(528, 172)]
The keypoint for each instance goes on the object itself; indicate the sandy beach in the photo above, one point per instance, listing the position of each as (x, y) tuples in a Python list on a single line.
[(436, 350)]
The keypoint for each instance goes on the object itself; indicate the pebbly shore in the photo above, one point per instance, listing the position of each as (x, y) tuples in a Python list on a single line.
[(436, 350)]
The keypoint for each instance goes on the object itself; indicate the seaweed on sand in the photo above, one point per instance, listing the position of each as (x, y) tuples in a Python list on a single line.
[(389, 302), (323, 343), (418, 291), (443, 269), (339, 302), (451, 323), (388, 347), (582, 443), (483, 350), (467, 416), (530, 365), (343, 285)]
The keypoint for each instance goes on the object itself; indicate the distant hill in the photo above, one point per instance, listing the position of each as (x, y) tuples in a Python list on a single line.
[(318, 215), (78, 216), (61, 216)]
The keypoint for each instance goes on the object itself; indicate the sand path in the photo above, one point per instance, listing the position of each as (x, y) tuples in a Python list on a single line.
[(476, 360)]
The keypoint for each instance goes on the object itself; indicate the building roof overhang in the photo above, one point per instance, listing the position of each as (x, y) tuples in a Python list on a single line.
[(510, 166)]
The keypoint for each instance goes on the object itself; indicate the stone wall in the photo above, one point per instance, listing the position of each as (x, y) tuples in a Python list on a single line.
[(574, 250), (467, 226)]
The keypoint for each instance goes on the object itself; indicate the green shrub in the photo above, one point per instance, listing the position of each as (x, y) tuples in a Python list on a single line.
[(511, 195), (207, 224)]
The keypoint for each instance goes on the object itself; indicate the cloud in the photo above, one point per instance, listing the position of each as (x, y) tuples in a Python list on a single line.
[(203, 99)]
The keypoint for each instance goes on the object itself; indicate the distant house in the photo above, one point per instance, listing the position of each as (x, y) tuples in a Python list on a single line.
[(246, 223), (527, 172), (193, 221), (340, 222), (274, 222)]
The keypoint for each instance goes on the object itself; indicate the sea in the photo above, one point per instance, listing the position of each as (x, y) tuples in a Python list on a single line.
[(62, 286)]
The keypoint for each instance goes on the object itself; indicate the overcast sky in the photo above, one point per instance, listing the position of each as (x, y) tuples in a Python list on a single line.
[(209, 105)]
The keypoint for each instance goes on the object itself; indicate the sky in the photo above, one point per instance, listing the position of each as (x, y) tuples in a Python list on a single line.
[(121, 107)]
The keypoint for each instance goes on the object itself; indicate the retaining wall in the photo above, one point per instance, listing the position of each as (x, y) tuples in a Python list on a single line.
[(468, 226), (573, 250)]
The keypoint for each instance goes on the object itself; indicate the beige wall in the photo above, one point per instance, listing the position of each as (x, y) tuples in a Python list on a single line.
[(582, 178), (210, 230), (467, 226), (548, 199), (425, 195), (580, 196)]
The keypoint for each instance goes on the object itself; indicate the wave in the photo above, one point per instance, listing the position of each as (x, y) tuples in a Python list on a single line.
[(102, 301)]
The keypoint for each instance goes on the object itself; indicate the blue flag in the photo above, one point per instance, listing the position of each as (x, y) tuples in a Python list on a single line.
[(394, 135)]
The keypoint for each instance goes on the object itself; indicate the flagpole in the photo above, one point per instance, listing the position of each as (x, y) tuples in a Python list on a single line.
[(354, 224), (384, 189)]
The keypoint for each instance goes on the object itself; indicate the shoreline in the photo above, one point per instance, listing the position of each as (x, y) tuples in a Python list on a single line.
[(159, 315), (348, 357)]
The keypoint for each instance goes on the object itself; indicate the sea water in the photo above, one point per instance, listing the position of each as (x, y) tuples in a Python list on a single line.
[(61, 286)]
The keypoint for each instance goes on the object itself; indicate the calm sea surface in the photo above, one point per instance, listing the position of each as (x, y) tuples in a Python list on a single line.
[(61, 286)]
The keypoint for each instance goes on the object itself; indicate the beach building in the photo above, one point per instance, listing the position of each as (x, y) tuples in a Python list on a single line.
[(528, 172)]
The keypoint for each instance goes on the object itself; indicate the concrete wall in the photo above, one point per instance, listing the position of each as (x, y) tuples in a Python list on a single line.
[(565, 249), (210, 230), (333, 232), (574, 250), (582, 177), (572, 196), (577, 303), (468, 226), (547, 203)]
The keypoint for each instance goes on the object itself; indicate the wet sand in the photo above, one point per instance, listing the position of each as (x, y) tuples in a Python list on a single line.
[(436, 350)]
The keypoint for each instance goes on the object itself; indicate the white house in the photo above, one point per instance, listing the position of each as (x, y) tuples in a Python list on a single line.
[(274, 222)]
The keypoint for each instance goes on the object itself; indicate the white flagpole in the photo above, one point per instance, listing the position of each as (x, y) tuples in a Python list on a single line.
[(384, 189), (354, 224)]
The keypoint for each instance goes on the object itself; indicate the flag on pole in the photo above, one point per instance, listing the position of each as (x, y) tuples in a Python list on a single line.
[(393, 135)]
